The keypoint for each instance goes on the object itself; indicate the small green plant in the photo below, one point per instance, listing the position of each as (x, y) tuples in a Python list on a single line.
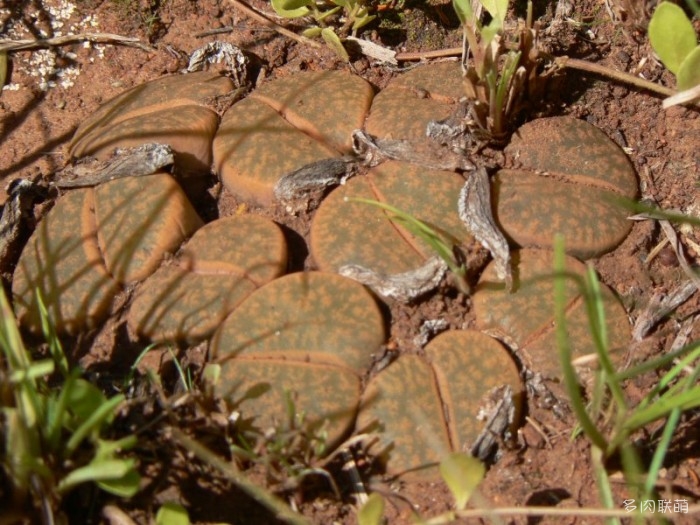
[(355, 14), (500, 74), (608, 419), (673, 38), (53, 437)]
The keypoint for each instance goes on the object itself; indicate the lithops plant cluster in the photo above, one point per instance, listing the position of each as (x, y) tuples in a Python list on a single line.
[(314, 336)]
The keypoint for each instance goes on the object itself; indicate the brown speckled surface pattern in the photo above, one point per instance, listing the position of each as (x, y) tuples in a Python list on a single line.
[(468, 365), (171, 110), (140, 219), (569, 175), (244, 244), (62, 261), (526, 316), (322, 393), (255, 147), (315, 316), (402, 110), (573, 147), (327, 105), (218, 268), (357, 233), (404, 403)]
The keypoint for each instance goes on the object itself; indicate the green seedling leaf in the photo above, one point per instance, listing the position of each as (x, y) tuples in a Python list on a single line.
[(462, 474), (92, 424), (333, 41), (689, 72), (172, 514), (84, 399), (489, 32), (291, 8), (362, 20), (106, 449), (49, 331), (464, 11), (372, 512), (671, 35), (124, 487), (99, 471), (322, 16), (312, 32), (497, 9), (34, 371)]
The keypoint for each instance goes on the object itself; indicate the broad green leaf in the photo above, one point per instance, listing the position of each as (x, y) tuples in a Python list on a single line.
[(689, 72), (291, 8), (372, 512), (462, 474), (124, 487), (464, 11), (172, 514), (97, 471), (489, 32), (84, 399), (671, 35), (342, 3), (496, 8), (17, 448), (333, 41)]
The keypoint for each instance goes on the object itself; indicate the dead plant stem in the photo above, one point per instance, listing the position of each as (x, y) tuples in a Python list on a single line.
[(583, 65), (100, 38)]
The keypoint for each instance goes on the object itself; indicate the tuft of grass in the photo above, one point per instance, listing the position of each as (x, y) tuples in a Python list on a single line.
[(608, 420), (502, 72), (54, 437)]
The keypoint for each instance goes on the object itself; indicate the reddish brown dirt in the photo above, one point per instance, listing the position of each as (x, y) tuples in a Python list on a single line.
[(544, 466)]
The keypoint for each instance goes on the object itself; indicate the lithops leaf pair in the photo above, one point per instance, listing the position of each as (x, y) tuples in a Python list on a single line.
[(424, 408), (285, 125), (524, 316), (304, 336), (346, 231), (405, 107), (565, 176), (220, 266), (95, 240), (178, 110)]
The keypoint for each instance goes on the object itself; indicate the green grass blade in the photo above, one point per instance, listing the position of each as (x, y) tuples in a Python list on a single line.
[(437, 242), (49, 331), (663, 406), (570, 378), (105, 411), (603, 483)]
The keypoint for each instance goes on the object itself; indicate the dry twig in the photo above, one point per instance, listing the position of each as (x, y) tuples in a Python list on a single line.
[(99, 38)]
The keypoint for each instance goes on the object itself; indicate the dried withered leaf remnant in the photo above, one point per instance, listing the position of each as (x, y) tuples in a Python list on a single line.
[(477, 215)]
